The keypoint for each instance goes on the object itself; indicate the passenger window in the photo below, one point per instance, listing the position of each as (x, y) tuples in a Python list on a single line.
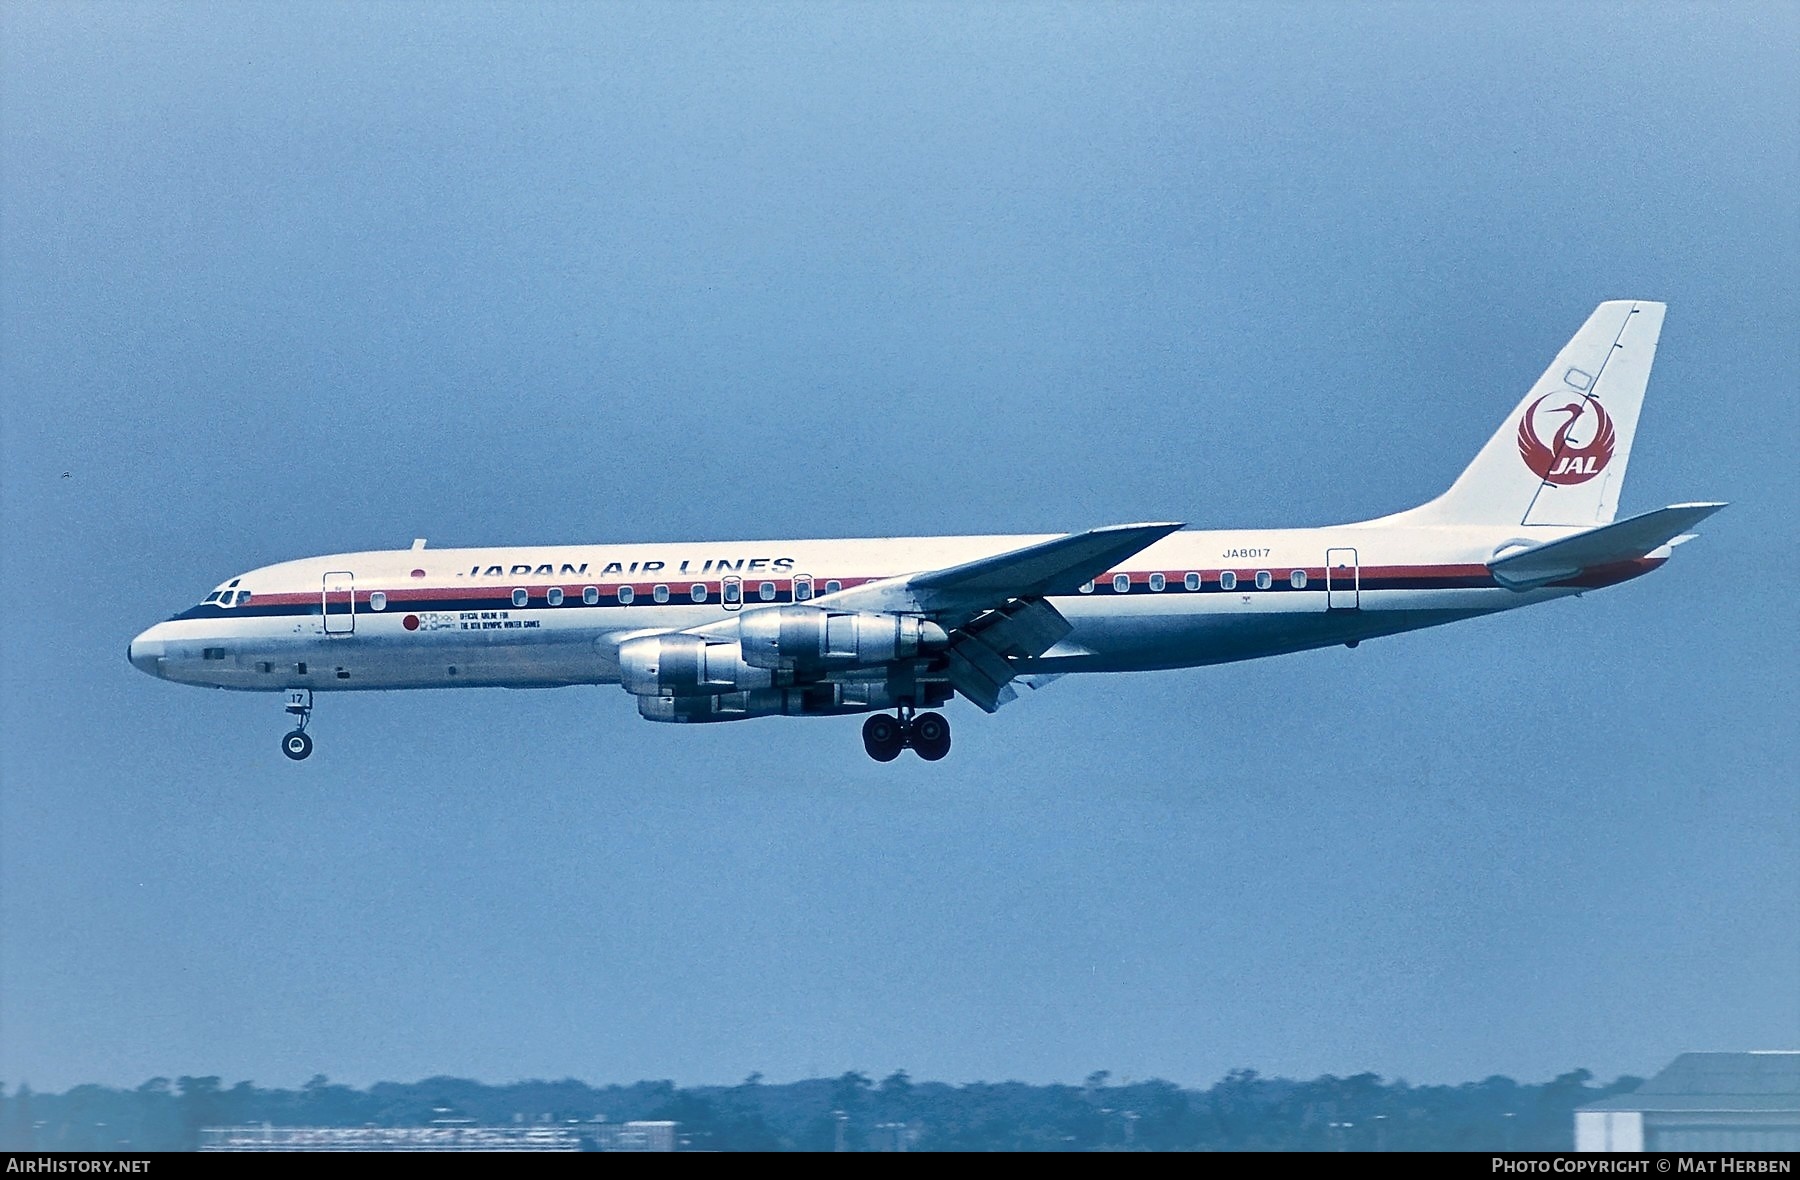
[(521, 596), (378, 601), (626, 594), (1297, 579), (802, 588), (590, 595), (1087, 587), (1157, 581), (1264, 579), (833, 586), (766, 591), (554, 596), (734, 590), (1121, 583), (1191, 581), (1227, 580), (661, 593), (697, 592)]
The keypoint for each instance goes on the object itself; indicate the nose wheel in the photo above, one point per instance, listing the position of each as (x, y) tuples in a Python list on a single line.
[(926, 734), (298, 744)]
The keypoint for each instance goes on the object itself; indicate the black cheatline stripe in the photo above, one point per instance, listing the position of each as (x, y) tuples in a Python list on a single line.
[(1447, 582)]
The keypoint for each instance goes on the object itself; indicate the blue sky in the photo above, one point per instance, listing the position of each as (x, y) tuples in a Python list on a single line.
[(280, 281)]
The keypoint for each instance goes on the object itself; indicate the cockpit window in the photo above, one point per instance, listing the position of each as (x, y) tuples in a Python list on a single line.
[(227, 596)]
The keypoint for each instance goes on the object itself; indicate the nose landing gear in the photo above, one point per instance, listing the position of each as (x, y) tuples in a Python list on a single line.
[(297, 744), (927, 735)]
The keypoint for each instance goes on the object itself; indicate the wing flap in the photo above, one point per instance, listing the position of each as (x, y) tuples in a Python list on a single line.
[(979, 673), (982, 656), (1021, 629)]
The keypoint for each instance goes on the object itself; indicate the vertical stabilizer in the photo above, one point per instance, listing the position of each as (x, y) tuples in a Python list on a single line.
[(1559, 458)]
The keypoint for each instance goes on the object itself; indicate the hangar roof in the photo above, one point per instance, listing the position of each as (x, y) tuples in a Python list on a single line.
[(1760, 1081)]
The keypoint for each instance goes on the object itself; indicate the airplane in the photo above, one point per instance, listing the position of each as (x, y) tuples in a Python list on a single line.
[(897, 627)]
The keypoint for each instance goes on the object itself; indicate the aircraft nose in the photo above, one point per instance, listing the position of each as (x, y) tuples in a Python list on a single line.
[(146, 654)]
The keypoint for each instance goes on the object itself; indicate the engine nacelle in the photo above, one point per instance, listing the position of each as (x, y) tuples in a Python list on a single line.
[(688, 666), (807, 639), (813, 700)]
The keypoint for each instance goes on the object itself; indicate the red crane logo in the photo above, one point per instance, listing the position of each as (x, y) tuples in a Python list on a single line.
[(1565, 462)]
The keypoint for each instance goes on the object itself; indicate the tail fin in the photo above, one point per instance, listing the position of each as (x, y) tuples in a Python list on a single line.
[(1560, 458)]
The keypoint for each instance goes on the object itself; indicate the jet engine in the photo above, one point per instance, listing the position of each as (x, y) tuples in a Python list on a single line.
[(677, 665), (813, 700), (813, 639)]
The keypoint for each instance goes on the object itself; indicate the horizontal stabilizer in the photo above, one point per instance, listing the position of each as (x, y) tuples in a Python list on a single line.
[(1626, 540)]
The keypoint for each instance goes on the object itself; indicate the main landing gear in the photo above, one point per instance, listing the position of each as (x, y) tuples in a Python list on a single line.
[(927, 734), (297, 744)]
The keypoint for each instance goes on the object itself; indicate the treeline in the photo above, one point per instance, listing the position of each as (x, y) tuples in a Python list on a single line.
[(1242, 1112)]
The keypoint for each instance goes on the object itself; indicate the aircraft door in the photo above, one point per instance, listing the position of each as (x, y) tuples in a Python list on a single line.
[(339, 600), (1343, 580)]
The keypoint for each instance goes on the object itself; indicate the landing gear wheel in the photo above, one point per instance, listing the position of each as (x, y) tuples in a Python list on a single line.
[(296, 744), (883, 737), (930, 736)]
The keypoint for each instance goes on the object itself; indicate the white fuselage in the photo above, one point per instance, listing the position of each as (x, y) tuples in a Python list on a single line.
[(522, 617), (721, 632)]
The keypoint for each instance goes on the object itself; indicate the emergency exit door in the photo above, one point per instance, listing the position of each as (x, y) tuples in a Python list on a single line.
[(340, 603)]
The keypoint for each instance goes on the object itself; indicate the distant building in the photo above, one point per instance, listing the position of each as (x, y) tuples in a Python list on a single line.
[(633, 1136), (1702, 1102)]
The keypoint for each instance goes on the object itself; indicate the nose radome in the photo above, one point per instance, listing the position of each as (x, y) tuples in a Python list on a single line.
[(145, 654)]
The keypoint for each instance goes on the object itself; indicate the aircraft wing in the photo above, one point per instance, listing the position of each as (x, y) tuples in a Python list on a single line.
[(1057, 566), (994, 607)]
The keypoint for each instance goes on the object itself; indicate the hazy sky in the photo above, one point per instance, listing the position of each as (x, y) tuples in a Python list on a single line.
[(282, 280)]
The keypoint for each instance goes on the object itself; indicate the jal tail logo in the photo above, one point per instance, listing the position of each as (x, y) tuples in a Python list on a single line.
[(1580, 447)]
